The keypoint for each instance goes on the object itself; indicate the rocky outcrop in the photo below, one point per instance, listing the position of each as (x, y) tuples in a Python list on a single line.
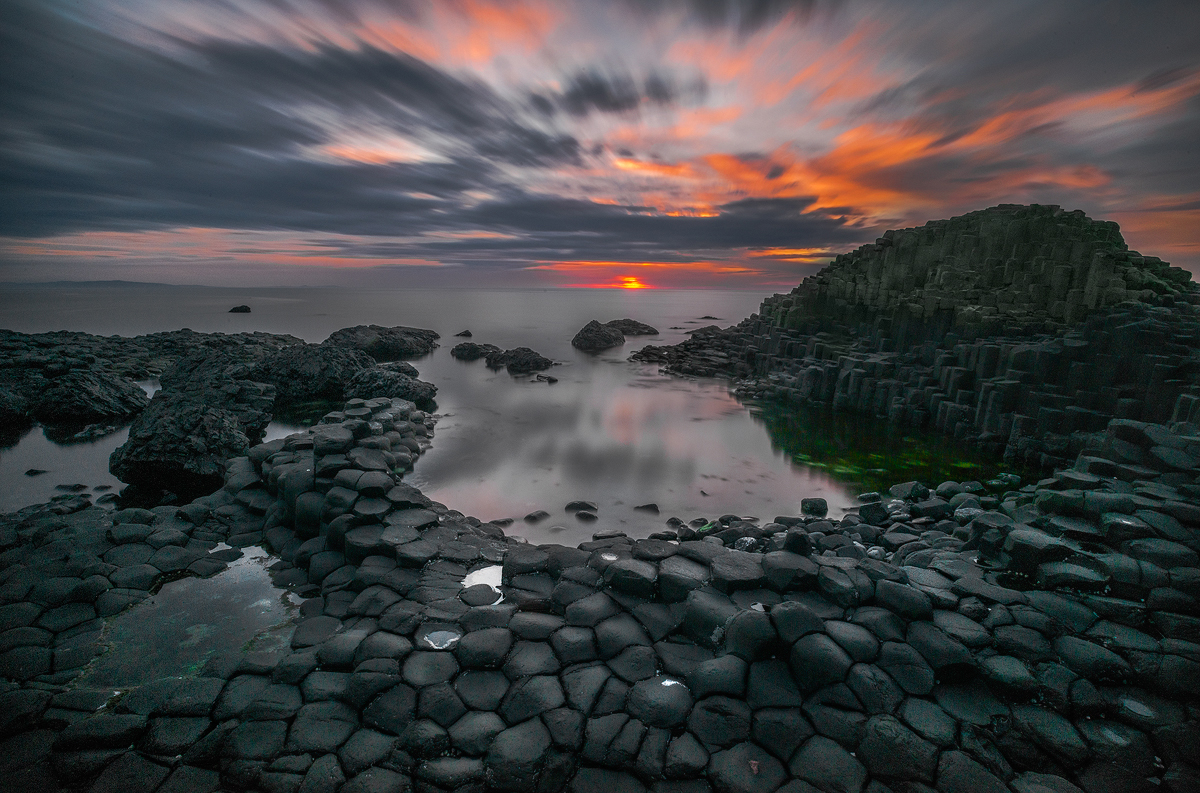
[(520, 360), (179, 445), (594, 337), (385, 344), (1048, 353), (981, 636), (303, 372), (470, 351), (240, 310), (82, 397), (386, 381), (631, 327)]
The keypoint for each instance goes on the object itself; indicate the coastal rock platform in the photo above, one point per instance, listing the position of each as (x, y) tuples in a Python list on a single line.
[(976, 636)]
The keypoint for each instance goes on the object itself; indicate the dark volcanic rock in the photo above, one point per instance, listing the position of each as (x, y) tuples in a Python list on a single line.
[(240, 310), (470, 351), (385, 344), (631, 327), (180, 445), (311, 371), (521, 360), (220, 379), (384, 381), (594, 337), (80, 397)]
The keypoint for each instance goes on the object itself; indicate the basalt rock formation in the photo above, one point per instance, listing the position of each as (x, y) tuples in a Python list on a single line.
[(977, 636), (1024, 329)]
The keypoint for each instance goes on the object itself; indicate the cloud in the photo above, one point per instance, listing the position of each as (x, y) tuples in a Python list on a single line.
[(732, 136)]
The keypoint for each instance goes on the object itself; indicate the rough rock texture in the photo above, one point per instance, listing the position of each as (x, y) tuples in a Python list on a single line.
[(594, 337), (1047, 644), (1024, 330), (180, 445), (385, 381), (631, 327), (521, 360), (470, 351), (385, 344), (304, 372), (82, 397)]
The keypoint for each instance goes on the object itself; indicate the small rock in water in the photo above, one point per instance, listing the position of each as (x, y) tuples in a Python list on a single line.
[(240, 310), (35, 472), (575, 506), (631, 327), (102, 488), (503, 521), (535, 516), (545, 378), (75, 488), (583, 514), (709, 316), (651, 507), (466, 334)]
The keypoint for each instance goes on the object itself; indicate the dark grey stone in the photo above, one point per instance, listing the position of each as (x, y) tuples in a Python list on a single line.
[(720, 721), (660, 702), (745, 768), (516, 756), (817, 660), (828, 766), (481, 690)]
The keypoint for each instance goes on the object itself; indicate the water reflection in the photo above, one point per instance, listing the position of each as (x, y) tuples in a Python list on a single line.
[(176, 630)]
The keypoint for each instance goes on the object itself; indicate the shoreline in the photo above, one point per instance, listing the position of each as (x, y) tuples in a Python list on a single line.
[(796, 654)]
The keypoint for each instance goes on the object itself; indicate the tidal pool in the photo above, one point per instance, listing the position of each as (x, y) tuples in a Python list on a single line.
[(175, 631)]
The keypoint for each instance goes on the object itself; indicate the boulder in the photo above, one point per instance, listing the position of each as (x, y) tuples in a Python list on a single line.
[(180, 445), (302, 372), (386, 381), (631, 327), (240, 310), (470, 351), (521, 360), (385, 344), (594, 337), (81, 397)]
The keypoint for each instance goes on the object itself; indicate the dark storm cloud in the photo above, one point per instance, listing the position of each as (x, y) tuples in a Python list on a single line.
[(743, 15), (100, 134), (594, 91)]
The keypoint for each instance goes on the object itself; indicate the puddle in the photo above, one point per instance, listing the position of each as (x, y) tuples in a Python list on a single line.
[(174, 632), (492, 576)]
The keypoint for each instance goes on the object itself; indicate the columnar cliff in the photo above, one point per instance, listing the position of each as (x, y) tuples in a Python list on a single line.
[(1025, 329)]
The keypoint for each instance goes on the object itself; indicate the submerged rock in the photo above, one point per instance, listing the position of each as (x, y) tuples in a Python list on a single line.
[(594, 337), (240, 310)]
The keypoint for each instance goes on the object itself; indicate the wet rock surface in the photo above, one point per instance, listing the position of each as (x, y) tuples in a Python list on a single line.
[(1045, 640)]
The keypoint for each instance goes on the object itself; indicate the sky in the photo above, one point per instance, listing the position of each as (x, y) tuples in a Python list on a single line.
[(728, 144)]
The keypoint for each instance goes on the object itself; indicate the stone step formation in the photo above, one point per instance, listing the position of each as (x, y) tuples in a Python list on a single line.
[(1023, 330), (1049, 643)]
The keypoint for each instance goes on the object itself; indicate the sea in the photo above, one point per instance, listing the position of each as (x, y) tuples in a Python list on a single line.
[(617, 433)]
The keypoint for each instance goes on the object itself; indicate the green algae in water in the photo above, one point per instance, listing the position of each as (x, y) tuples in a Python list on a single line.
[(872, 454), (174, 632)]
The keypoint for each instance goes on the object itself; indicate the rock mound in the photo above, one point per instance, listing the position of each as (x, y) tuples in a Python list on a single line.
[(385, 344), (179, 444), (631, 327), (470, 351), (82, 397), (594, 337), (521, 360), (311, 371), (240, 310), (384, 381)]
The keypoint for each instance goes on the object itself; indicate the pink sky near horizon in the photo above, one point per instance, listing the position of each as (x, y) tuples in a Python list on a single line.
[(840, 120)]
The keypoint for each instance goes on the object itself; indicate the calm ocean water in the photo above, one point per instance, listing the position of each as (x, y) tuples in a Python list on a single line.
[(609, 431)]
